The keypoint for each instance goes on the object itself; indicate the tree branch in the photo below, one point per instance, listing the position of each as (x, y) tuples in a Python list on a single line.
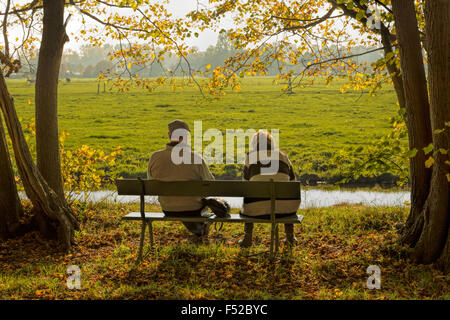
[(5, 31), (13, 65), (352, 14), (32, 5), (315, 21), (384, 6), (342, 58), (305, 20)]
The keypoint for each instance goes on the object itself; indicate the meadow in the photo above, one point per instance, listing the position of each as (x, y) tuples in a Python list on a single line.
[(315, 122), (336, 244)]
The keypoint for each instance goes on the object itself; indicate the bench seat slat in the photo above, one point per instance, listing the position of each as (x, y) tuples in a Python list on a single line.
[(159, 216), (251, 189)]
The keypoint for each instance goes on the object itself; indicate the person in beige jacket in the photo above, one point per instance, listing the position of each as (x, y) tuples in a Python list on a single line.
[(165, 165)]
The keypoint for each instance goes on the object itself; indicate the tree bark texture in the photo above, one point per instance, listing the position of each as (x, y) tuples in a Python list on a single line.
[(417, 112), (52, 210), (10, 206), (46, 95), (434, 242)]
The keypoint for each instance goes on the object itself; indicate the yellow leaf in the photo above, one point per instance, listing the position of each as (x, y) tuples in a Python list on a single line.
[(429, 162), (208, 66)]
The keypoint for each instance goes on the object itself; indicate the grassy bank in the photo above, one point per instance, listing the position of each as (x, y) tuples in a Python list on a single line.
[(336, 245), (314, 122)]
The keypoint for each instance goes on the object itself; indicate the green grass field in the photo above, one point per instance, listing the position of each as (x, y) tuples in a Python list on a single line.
[(314, 122)]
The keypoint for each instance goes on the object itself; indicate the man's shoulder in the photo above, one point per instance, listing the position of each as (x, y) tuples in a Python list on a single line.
[(162, 154), (157, 154)]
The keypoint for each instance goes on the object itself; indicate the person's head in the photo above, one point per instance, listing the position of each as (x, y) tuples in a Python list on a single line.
[(178, 129), (262, 140)]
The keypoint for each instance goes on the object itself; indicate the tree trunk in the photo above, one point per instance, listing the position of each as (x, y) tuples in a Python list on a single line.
[(10, 207), (417, 113), (52, 210), (50, 53), (392, 68), (434, 237), (444, 260)]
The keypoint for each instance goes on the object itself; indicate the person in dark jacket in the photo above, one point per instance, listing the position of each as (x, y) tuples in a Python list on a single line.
[(261, 156)]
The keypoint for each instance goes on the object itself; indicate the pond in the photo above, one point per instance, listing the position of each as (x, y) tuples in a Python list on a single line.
[(311, 198)]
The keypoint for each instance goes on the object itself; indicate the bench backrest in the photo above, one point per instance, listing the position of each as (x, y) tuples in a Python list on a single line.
[(251, 189)]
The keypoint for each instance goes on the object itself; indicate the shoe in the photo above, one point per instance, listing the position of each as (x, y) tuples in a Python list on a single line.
[(291, 240), (246, 242)]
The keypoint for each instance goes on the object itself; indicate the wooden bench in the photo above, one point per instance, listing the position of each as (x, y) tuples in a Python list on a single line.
[(252, 189)]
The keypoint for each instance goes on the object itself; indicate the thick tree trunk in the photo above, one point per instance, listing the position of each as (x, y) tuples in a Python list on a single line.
[(436, 213), (444, 260), (392, 68), (417, 113), (50, 53), (52, 210), (10, 207)]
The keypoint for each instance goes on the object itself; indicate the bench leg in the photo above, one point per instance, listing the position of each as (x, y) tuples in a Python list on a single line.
[(141, 242), (150, 231), (277, 238), (272, 240)]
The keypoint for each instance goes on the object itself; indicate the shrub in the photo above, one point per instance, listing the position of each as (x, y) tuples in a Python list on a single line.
[(83, 169)]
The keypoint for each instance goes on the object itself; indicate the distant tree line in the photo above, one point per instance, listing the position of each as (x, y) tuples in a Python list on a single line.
[(90, 61)]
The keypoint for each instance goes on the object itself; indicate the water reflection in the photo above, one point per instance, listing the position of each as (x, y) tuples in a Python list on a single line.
[(312, 198)]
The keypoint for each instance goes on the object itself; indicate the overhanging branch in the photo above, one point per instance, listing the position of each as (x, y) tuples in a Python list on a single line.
[(314, 22)]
